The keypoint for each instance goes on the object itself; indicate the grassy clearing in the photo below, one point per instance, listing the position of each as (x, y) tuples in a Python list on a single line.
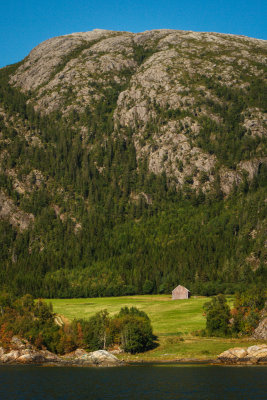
[(173, 322), (167, 317)]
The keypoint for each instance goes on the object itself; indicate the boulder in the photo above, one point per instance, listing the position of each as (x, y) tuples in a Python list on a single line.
[(251, 355), (259, 352), (103, 357), (233, 354), (29, 356), (99, 357)]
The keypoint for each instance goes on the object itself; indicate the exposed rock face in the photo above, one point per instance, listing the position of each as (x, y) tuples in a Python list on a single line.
[(45, 57), (261, 331), (171, 78), (17, 217), (252, 355), (22, 352)]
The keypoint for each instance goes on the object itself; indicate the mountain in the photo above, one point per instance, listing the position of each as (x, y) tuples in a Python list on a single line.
[(130, 163)]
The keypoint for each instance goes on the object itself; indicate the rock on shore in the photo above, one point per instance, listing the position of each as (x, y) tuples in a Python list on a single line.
[(251, 355), (22, 352), (99, 357)]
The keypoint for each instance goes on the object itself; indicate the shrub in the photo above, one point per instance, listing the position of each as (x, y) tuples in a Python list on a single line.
[(246, 311), (133, 329), (136, 334)]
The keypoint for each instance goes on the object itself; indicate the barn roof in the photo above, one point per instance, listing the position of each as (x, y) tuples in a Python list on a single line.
[(181, 287)]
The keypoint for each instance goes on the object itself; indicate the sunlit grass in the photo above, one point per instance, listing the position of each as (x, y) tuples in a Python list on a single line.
[(167, 316), (190, 347), (174, 322)]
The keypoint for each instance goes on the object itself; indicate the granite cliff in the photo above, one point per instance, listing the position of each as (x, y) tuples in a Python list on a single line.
[(104, 128), (170, 85)]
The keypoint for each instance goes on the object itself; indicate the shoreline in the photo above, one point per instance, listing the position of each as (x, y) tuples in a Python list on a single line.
[(123, 363), (21, 352), (182, 361), (196, 361)]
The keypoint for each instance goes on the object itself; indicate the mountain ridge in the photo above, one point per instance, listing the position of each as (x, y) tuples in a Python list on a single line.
[(124, 114), (105, 129)]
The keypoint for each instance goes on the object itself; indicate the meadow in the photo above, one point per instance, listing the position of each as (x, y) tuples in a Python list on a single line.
[(174, 323)]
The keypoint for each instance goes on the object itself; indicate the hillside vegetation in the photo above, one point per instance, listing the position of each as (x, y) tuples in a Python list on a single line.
[(130, 163)]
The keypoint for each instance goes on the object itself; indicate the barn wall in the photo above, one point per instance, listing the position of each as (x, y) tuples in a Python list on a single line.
[(180, 293)]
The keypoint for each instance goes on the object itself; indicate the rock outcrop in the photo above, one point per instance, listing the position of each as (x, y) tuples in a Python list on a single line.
[(22, 352), (168, 83), (261, 330), (97, 358), (251, 355), (16, 217)]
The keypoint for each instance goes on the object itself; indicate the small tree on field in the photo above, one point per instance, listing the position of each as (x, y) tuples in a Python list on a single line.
[(134, 329), (218, 315)]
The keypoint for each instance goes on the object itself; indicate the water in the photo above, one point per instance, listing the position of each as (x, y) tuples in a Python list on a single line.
[(176, 382)]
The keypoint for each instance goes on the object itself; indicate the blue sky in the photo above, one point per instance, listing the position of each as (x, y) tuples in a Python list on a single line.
[(26, 23)]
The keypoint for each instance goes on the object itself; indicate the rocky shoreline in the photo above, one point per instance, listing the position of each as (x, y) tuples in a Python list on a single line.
[(21, 352), (256, 354)]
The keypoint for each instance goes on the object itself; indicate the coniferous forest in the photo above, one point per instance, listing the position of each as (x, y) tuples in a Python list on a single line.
[(100, 223)]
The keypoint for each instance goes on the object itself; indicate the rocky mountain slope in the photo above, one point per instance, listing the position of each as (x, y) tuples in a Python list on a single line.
[(169, 86), (105, 128)]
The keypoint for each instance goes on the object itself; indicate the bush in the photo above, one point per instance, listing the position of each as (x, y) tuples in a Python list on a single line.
[(136, 334), (246, 311), (133, 329)]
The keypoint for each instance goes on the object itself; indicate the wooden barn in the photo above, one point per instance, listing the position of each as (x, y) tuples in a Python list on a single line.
[(180, 292)]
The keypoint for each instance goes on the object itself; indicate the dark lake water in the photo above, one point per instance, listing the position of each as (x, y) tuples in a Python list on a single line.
[(135, 382)]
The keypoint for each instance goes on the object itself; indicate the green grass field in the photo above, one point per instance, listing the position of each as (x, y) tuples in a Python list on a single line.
[(167, 316), (173, 322)]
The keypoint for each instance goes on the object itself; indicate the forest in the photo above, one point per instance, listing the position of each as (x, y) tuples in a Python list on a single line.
[(91, 237)]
